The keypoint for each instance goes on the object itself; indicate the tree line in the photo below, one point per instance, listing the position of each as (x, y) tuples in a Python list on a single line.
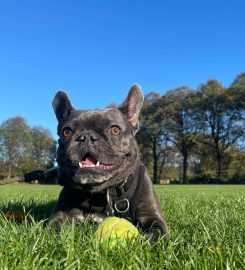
[(195, 135), (24, 148), (186, 135)]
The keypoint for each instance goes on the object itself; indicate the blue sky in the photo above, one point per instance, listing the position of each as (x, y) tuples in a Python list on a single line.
[(95, 50)]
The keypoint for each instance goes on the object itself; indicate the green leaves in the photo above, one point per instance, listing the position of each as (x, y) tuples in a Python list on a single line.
[(191, 132), (24, 148)]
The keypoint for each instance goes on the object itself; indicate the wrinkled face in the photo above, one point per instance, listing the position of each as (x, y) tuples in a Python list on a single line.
[(97, 147)]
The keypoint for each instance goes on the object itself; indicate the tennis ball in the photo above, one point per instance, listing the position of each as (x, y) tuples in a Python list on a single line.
[(114, 231)]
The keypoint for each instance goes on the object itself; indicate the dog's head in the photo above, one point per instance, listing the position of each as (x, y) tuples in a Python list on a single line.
[(97, 148)]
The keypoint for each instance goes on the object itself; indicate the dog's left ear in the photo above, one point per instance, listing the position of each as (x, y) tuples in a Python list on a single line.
[(132, 105)]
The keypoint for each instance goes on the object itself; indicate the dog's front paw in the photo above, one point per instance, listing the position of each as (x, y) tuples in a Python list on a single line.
[(56, 219), (153, 234)]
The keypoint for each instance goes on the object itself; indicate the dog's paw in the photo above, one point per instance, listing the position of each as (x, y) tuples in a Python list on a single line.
[(155, 232), (55, 222), (152, 235)]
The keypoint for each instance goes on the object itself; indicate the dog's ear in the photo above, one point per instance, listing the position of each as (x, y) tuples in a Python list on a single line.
[(62, 106), (132, 105)]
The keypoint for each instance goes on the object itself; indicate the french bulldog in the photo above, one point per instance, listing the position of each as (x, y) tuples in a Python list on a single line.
[(100, 168)]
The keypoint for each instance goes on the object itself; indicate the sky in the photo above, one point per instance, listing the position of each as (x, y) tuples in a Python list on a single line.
[(95, 50)]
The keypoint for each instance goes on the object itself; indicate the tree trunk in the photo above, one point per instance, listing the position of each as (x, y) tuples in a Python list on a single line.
[(161, 166), (219, 158), (9, 171), (155, 161), (185, 167)]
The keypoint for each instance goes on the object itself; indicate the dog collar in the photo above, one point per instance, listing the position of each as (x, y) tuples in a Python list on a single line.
[(119, 197)]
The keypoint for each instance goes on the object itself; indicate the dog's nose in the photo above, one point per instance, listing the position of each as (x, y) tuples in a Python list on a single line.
[(88, 136)]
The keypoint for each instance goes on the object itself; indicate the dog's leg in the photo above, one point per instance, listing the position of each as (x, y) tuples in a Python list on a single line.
[(65, 210), (148, 212)]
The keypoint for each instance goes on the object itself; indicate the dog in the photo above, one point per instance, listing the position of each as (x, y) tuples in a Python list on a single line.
[(100, 168)]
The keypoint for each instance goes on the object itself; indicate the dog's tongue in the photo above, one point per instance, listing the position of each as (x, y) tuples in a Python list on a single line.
[(89, 160)]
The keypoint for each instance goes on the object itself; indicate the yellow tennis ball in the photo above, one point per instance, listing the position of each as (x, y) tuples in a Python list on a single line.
[(114, 231)]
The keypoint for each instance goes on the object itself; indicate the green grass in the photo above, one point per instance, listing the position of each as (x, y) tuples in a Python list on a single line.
[(206, 231)]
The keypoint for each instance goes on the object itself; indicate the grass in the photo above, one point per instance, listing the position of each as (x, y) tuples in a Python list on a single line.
[(206, 231)]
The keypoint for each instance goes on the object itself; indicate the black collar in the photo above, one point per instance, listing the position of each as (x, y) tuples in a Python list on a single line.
[(119, 197)]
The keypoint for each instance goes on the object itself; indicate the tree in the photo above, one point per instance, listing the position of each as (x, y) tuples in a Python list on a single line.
[(178, 108), (41, 151), (236, 169), (43, 146), (236, 98), (151, 137), (222, 120), (14, 135), (23, 148)]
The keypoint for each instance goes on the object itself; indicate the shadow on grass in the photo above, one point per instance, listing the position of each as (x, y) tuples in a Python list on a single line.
[(38, 211)]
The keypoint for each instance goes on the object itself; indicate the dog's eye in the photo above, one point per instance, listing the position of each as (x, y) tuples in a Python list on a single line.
[(115, 130), (67, 132)]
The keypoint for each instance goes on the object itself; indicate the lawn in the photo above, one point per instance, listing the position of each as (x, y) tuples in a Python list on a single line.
[(206, 231)]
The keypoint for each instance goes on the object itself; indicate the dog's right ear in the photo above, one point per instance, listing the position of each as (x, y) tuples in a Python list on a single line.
[(62, 106)]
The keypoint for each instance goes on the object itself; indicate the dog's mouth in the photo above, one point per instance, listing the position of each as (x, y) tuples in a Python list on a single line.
[(88, 161), (94, 169)]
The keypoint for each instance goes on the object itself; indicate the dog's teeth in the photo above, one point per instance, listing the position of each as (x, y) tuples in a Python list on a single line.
[(82, 165)]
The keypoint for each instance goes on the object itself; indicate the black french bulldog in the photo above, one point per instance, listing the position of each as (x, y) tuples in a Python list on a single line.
[(99, 166)]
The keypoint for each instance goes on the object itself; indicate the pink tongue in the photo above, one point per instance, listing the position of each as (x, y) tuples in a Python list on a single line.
[(89, 161)]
